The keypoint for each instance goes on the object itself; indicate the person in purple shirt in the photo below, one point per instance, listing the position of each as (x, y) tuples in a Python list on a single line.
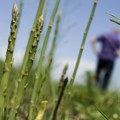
[(110, 50)]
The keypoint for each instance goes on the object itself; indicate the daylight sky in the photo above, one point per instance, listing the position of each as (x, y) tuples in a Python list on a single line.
[(75, 14)]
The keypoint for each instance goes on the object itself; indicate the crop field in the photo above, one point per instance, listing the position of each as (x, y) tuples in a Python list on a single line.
[(28, 92)]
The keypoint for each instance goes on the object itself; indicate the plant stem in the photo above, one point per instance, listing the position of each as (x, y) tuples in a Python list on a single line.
[(62, 78), (25, 74), (9, 55), (114, 16), (115, 21), (69, 89), (42, 110), (82, 46), (30, 41), (50, 59), (54, 114), (41, 58), (7, 100), (60, 87)]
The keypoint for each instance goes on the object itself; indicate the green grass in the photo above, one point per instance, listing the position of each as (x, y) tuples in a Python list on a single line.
[(27, 95), (84, 105)]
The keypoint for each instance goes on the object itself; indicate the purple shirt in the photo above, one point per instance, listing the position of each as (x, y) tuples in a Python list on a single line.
[(110, 43)]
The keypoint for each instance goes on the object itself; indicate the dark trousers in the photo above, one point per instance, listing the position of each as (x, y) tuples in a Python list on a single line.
[(103, 72)]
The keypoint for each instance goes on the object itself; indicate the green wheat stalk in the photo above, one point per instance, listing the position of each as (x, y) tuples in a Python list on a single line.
[(30, 41), (115, 21), (60, 87), (26, 72), (9, 55), (62, 78), (41, 58), (82, 46), (69, 89), (112, 15), (50, 59), (41, 111), (58, 101), (20, 14)]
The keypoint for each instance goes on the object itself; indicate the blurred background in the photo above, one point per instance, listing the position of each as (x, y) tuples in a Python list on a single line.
[(75, 15)]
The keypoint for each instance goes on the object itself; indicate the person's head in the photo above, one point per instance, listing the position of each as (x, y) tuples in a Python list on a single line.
[(116, 31)]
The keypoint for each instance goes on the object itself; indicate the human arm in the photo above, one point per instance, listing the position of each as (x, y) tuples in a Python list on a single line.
[(94, 41), (118, 52)]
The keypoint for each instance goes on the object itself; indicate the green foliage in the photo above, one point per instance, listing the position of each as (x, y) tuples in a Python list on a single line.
[(92, 108), (116, 19), (82, 46), (24, 76), (27, 95), (9, 55), (83, 107), (38, 73)]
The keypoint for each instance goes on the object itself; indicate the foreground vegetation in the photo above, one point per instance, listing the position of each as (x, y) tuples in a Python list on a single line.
[(88, 102), (30, 94)]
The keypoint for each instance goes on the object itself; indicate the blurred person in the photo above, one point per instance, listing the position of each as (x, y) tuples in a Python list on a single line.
[(107, 54)]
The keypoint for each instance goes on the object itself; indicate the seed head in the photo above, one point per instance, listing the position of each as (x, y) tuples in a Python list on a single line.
[(59, 14), (41, 19), (40, 23), (65, 69), (15, 9), (95, 1)]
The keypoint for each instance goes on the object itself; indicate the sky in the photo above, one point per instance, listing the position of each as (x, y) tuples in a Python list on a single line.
[(75, 15)]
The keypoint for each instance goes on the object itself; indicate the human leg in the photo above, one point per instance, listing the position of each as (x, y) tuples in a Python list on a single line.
[(108, 72), (99, 69)]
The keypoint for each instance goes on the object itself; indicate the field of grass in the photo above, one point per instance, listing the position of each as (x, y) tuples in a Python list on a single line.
[(28, 93), (87, 102)]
